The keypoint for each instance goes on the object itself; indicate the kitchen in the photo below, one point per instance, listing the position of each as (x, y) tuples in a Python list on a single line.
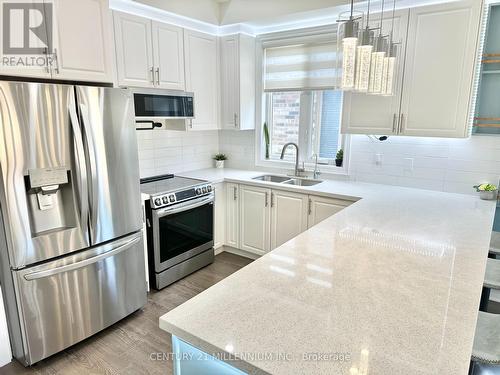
[(223, 187)]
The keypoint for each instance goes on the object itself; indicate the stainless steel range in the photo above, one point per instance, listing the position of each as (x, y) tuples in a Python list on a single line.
[(180, 226)]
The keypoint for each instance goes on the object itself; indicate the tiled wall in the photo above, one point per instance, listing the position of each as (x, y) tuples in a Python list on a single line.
[(452, 165), (167, 151)]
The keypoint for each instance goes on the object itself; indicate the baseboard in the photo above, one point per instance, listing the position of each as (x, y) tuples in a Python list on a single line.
[(239, 252)]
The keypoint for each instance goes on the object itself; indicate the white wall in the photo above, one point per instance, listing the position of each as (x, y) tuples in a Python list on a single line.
[(167, 151), (452, 165)]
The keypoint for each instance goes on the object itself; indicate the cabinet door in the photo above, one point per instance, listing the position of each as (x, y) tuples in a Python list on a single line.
[(375, 114), (232, 215), (168, 50), (134, 55), (255, 219), (11, 65), (201, 78), (220, 215), (82, 40), (230, 81), (288, 216), (321, 208), (439, 69)]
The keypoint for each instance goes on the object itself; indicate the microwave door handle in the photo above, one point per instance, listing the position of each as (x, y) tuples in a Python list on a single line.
[(81, 168), (83, 263), (176, 210), (93, 167)]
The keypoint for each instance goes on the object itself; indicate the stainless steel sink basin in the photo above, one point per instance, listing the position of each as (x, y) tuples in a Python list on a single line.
[(272, 178), (302, 182)]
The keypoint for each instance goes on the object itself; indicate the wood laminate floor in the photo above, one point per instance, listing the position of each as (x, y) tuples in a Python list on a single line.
[(126, 347)]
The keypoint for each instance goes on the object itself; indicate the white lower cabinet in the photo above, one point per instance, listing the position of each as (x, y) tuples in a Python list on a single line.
[(255, 219), (259, 219), (219, 215), (288, 216), (232, 209), (321, 208)]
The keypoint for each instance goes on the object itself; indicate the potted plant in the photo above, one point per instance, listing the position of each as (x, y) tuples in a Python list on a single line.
[(219, 160), (487, 191), (266, 139), (339, 158)]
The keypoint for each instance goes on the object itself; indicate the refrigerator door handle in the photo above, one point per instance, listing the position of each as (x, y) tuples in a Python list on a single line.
[(83, 263), (81, 166), (93, 166)]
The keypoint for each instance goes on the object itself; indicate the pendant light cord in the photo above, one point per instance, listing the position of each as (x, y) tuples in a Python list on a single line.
[(352, 8), (368, 15), (393, 15), (381, 18)]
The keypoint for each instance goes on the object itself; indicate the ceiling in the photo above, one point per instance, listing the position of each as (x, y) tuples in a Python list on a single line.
[(263, 16), (251, 12)]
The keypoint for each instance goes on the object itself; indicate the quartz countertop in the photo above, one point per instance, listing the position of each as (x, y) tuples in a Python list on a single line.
[(390, 284)]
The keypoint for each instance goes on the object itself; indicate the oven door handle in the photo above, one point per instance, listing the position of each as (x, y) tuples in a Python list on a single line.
[(174, 210)]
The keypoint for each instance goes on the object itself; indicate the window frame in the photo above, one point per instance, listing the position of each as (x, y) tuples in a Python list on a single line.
[(263, 108)]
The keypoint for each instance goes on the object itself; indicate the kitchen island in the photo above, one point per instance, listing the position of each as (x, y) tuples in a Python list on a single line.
[(389, 285)]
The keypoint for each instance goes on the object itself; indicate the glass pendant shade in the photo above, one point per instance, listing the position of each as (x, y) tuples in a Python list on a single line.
[(348, 63), (363, 61), (391, 70), (377, 67)]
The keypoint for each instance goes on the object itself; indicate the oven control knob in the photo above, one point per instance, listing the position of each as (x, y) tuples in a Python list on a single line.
[(158, 201), (204, 189), (198, 191), (165, 200), (171, 198), (209, 188)]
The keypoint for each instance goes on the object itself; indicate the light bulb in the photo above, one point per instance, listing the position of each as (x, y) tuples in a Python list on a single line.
[(363, 71), (348, 62), (385, 66)]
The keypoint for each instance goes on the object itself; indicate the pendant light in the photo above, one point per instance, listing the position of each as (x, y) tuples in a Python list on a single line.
[(364, 56), (377, 63), (390, 61), (348, 32)]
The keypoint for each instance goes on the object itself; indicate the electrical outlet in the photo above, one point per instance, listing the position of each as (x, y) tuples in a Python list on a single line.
[(408, 164)]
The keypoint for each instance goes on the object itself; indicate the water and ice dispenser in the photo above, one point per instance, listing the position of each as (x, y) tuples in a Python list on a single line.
[(50, 199)]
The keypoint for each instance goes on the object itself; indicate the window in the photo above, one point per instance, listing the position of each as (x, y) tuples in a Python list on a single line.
[(309, 118)]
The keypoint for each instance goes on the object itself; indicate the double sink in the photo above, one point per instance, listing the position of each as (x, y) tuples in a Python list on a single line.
[(287, 180)]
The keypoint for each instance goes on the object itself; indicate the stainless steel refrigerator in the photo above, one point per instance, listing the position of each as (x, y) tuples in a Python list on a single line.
[(71, 249)]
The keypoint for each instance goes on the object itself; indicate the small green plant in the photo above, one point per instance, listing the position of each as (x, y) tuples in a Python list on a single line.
[(220, 157), (340, 155), (485, 187), (266, 139)]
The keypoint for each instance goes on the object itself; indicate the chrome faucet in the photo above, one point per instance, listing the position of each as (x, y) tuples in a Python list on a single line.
[(297, 169), (316, 172)]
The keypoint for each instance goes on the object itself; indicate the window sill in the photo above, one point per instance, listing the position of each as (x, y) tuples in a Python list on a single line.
[(290, 167)]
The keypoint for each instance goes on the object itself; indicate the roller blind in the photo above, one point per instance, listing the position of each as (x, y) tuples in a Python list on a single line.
[(305, 66)]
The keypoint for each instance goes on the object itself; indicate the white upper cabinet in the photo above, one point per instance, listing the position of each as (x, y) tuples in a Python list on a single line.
[(83, 40), (168, 51), (238, 82), (81, 47), (134, 53), (440, 59), (376, 114), (201, 69), (288, 216), (436, 71)]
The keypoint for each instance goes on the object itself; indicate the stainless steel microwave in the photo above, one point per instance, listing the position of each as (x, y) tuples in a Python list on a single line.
[(163, 104)]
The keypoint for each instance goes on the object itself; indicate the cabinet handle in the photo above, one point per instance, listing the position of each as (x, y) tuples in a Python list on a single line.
[(401, 122), (309, 206), (57, 61), (234, 193), (267, 202), (152, 70), (46, 53), (158, 76), (235, 120), (394, 120)]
